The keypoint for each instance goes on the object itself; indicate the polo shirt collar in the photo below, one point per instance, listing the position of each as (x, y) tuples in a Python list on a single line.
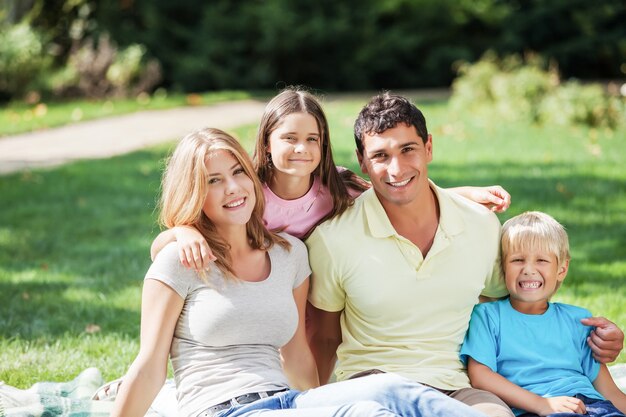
[(450, 220)]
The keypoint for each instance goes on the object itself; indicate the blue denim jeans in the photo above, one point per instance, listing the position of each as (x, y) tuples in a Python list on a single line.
[(595, 408), (379, 395)]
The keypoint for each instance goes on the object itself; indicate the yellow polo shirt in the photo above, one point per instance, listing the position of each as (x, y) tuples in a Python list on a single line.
[(403, 313)]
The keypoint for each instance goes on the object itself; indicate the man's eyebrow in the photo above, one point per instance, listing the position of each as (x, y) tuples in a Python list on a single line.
[(399, 147)]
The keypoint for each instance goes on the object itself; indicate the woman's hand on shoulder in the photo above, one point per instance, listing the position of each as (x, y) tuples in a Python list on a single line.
[(193, 250)]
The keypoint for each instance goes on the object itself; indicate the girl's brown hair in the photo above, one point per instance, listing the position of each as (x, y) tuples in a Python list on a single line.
[(294, 100), (184, 189)]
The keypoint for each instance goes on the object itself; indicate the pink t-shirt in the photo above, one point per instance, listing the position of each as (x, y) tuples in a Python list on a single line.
[(297, 216)]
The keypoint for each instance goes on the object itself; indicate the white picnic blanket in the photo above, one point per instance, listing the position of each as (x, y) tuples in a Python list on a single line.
[(618, 372), (73, 399)]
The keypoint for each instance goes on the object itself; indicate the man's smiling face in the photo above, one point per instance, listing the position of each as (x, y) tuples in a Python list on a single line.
[(396, 161)]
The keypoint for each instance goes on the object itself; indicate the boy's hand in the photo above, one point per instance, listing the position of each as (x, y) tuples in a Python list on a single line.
[(193, 249), (606, 339), (561, 405)]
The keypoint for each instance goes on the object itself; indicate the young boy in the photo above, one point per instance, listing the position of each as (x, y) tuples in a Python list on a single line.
[(530, 352)]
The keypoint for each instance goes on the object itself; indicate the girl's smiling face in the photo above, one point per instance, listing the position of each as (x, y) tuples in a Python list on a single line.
[(295, 145)]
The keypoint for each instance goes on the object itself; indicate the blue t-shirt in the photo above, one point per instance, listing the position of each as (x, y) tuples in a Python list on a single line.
[(546, 354)]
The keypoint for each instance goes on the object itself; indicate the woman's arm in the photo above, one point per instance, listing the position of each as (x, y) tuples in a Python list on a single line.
[(193, 249), (494, 197), (606, 386), (482, 377), (298, 362), (160, 308)]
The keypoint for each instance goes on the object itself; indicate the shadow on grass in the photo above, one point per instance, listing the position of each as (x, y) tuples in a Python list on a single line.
[(74, 243), (48, 310)]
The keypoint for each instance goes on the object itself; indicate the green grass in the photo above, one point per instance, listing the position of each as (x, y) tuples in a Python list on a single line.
[(19, 117), (74, 241)]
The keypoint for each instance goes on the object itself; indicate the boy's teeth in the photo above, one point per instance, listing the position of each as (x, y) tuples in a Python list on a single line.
[(533, 284), (235, 203)]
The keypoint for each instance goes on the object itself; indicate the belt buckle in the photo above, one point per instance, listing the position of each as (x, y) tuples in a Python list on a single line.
[(240, 400), (211, 411), (246, 398)]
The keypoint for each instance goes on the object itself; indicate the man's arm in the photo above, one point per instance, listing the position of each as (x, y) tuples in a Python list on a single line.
[(606, 339), (324, 336), (482, 377)]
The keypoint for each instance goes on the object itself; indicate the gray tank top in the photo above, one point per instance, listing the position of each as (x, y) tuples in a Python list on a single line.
[(228, 334)]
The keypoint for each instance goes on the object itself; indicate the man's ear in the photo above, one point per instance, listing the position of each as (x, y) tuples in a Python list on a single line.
[(359, 157), (562, 272), (429, 147)]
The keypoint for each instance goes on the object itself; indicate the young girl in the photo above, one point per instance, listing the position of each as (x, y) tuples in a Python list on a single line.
[(301, 183), (231, 331)]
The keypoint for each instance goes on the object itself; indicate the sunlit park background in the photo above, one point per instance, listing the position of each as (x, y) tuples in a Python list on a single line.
[(531, 96)]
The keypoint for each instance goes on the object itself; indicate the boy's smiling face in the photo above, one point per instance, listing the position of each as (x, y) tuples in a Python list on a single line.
[(532, 277)]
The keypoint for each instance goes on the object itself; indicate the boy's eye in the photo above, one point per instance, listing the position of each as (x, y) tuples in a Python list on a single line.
[(407, 149)]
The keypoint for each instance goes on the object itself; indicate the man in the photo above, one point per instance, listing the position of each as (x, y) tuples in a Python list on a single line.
[(395, 278)]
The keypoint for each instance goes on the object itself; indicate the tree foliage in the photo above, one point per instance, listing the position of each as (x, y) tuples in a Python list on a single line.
[(348, 44)]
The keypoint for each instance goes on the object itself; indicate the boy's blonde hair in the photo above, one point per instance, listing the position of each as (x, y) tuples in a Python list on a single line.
[(532, 230), (185, 185)]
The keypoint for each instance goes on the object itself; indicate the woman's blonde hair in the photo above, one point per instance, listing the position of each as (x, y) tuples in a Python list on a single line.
[(185, 185), (295, 100)]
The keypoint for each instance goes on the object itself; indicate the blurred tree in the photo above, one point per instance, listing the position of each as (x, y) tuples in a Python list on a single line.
[(342, 45), (348, 44), (587, 39), (12, 11)]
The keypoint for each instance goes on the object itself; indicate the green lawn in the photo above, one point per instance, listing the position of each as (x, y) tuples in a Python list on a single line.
[(74, 241), (19, 117)]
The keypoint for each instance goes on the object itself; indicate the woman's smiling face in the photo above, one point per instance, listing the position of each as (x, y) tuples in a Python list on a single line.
[(230, 197)]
